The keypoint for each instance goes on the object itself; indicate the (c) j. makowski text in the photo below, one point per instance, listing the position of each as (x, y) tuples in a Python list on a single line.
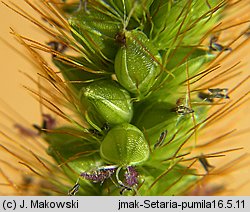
[(49, 204)]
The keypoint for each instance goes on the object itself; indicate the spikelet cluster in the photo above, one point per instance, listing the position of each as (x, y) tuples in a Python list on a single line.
[(130, 90)]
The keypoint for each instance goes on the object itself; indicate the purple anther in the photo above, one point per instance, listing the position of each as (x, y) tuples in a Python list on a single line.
[(49, 122), (25, 131), (131, 176), (99, 175), (57, 46)]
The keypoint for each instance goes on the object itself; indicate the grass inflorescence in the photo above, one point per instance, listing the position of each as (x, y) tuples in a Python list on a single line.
[(131, 94)]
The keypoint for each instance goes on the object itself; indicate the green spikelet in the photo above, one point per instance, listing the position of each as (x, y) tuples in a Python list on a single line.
[(131, 70)]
